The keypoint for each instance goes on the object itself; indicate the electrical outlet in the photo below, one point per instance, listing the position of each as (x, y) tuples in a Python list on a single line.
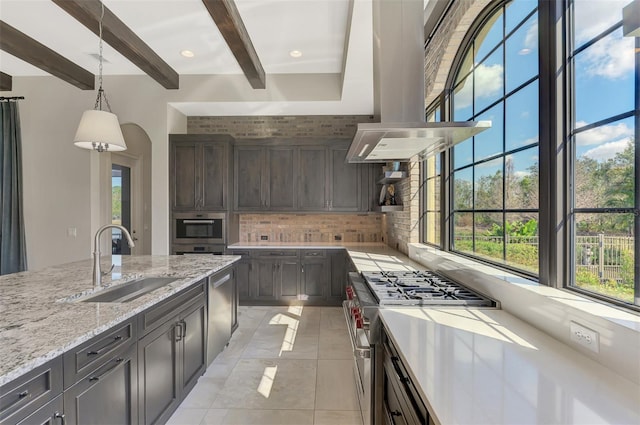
[(264, 237), (72, 232), (337, 237), (585, 337)]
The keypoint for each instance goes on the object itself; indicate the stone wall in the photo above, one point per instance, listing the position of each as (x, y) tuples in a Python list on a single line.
[(278, 126), (311, 227)]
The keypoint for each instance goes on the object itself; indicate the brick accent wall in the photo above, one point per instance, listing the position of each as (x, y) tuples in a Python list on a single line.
[(278, 126), (311, 227), (402, 227)]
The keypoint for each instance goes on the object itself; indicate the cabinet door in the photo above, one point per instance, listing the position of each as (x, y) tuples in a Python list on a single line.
[(108, 395), (288, 279), (265, 282), (186, 179), (214, 173), (346, 183), (243, 278), (192, 338), (158, 394), (314, 277), (249, 178), (280, 168), (49, 414), (312, 174)]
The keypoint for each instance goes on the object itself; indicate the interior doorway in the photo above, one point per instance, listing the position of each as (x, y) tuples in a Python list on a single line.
[(126, 205)]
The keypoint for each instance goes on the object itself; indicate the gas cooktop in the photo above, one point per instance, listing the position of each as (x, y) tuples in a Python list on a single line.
[(421, 287)]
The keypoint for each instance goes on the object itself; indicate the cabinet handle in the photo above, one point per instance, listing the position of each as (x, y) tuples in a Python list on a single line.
[(178, 328), (97, 378), (95, 353), (60, 416), (302, 266), (183, 324), (396, 413), (23, 394)]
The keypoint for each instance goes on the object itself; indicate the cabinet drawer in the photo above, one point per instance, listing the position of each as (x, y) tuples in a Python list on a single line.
[(80, 361), (157, 315), (280, 253), (243, 253), (31, 391), (312, 253)]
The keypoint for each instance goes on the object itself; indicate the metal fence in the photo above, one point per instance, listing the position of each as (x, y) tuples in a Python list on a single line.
[(603, 255)]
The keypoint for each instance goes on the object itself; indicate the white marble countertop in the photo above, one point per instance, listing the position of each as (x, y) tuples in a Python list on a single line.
[(37, 324), (484, 366)]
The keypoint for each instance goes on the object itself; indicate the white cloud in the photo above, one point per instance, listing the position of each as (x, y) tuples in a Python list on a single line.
[(609, 58), (607, 151), (488, 81), (607, 133), (594, 16), (531, 39)]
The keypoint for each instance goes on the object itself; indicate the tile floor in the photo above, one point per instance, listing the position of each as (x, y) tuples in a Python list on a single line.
[(283, 366)]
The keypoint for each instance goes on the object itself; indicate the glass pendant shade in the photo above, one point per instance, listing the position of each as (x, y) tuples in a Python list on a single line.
[(99, 130)]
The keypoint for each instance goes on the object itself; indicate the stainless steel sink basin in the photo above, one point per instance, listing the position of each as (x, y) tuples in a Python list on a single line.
[(128, 291)]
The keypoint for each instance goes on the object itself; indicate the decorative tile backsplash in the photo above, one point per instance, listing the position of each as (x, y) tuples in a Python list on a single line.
[(310, 227)]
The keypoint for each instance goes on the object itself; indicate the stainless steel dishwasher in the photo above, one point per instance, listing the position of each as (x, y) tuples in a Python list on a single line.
[(219, 307)]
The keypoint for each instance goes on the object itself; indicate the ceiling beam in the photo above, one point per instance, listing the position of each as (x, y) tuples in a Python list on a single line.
[(29, 50), (227, 18), (6, 82), (122, 38)]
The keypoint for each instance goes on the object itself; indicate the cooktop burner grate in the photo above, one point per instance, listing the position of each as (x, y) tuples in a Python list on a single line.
[(421, 287)]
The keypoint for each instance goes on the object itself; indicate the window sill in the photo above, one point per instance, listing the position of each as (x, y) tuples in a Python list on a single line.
[(549, 309)]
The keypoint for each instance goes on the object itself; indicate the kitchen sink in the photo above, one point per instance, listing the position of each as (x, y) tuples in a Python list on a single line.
[(128, 291)]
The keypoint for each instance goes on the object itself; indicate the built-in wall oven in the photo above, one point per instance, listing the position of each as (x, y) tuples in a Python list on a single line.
[(199, 228), (198, 233), (366, 293)]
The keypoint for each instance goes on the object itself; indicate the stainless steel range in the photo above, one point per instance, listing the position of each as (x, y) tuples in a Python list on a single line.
[(366, 293)]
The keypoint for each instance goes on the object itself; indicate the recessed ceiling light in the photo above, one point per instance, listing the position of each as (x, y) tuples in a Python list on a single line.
[(187, 53), (295, 53)]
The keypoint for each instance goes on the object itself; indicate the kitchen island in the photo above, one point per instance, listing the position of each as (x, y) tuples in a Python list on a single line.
[(42, 319)]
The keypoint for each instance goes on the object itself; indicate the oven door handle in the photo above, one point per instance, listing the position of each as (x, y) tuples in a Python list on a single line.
[(197, 221), (358, 350)]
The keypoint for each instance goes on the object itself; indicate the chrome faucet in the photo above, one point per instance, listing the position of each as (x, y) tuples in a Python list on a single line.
[(97, 274)]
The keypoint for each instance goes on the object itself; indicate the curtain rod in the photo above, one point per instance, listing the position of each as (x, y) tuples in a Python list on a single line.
[(11, 98)]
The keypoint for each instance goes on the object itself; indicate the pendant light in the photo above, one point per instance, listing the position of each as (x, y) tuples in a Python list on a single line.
[(100, 130)]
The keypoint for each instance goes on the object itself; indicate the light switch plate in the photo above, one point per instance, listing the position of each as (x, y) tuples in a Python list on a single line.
[(585, 337)]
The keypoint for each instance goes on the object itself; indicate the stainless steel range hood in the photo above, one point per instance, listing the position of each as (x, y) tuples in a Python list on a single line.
[(398, 62), (382, 142)]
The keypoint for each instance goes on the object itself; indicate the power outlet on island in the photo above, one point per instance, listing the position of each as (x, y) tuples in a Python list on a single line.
[(585, 337)]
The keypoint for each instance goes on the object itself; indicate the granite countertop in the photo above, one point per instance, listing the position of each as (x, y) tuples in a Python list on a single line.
[(485, 366), (40, 321)]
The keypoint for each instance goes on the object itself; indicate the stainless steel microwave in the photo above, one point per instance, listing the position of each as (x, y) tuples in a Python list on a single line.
[(199, 227)]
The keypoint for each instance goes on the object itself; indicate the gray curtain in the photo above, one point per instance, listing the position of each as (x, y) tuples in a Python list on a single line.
[(13, 253)]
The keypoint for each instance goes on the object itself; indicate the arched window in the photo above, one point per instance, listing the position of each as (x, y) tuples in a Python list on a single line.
[(494, 210)]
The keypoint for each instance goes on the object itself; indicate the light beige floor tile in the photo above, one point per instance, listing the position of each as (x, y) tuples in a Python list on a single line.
[(203, 394), (268, 417), (336, 388), (334, 344), (332, 318), (185, 416), (221, 367), (337, 417), (290, 346), (269, 384), (214, 417)]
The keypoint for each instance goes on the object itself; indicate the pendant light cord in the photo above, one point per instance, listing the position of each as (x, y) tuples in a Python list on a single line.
[(101, 93)]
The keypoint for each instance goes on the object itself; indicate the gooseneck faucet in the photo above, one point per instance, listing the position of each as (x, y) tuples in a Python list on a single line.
[(97, 273)]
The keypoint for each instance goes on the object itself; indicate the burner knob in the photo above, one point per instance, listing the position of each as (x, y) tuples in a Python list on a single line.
[(349, 292), (355, 310), (359, 322)]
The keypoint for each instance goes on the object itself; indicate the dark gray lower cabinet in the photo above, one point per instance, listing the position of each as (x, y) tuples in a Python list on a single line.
[(108, 395), (170, 360), (49, 414), (283, 277)]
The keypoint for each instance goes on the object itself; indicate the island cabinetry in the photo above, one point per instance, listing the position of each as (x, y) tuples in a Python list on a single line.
[(264, 178), (199, 172), (174, 343), (35, 397), (107, 395)]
